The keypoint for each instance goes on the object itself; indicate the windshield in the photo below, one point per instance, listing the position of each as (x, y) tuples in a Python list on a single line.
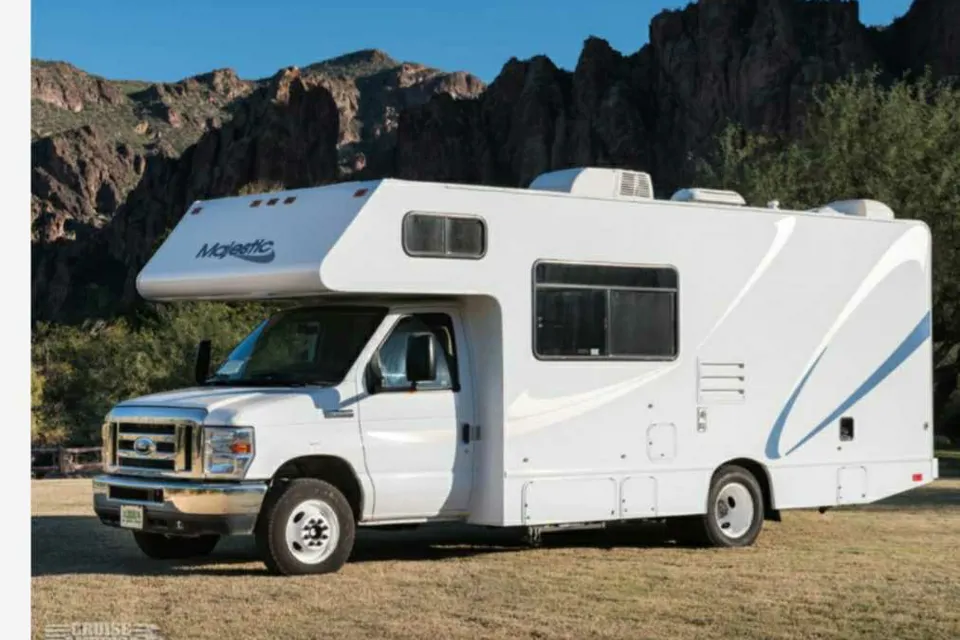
[(301, 346)]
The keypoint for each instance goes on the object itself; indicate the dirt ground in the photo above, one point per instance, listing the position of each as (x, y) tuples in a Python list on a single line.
[(885, 571)]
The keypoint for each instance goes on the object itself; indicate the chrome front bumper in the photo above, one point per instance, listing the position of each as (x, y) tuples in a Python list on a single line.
[(181, 507)]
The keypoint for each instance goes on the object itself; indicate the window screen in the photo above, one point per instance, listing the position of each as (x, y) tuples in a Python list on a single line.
[(643, 323), (571, 322), (439, 236), (603, 311), (423, 234)]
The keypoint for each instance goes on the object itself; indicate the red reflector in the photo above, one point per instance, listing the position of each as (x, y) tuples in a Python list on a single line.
[(918, 477), (359, 192)]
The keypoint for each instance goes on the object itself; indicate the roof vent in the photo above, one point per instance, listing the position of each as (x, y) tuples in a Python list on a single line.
[(593, 182), (860, 208), (635, 184), (709, 196)]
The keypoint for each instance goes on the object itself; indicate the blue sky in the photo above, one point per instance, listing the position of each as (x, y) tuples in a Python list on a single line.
[(166, 41)]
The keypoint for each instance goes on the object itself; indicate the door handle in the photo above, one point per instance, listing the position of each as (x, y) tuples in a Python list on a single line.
[(465, 433)]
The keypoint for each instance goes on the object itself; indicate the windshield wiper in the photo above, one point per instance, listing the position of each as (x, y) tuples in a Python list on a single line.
[(284, 380), (266, 379)]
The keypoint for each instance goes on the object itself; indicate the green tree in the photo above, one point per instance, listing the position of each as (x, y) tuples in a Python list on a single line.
[(897, 143), (41, 429)]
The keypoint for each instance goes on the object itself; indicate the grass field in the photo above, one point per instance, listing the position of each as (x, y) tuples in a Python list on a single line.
[(884, 571)]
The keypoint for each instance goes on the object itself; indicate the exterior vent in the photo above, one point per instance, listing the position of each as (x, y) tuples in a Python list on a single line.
[(709, 196), (860, 208), (634, 184), (593, 182)]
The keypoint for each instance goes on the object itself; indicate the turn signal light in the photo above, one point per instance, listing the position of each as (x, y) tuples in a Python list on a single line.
[(240, 448)]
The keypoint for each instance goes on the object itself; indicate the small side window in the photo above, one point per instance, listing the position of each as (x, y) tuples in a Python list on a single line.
[(428, 235), (423, 235)]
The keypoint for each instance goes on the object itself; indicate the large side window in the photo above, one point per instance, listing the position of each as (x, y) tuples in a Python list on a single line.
[(429, 235), (392, 355), (600, 311)]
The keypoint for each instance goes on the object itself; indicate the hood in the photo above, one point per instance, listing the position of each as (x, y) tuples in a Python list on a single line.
[(247, 406)]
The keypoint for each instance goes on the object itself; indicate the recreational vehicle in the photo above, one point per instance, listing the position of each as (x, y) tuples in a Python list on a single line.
[(576, 353)]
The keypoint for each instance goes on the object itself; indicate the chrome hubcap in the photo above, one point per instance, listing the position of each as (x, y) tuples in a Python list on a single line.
[(734, 510), (313, 531)]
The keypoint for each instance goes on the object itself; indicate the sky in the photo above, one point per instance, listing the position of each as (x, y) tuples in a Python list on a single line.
[(171, 40)]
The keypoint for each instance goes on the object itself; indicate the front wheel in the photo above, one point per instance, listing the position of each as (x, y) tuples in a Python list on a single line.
[(306, 526), (163, 547)]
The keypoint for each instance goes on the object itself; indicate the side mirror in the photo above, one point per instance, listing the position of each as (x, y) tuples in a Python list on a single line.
[(421, 358), (201, 365)]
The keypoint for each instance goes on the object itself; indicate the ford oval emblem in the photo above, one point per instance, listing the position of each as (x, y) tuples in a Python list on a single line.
[(144, 446)]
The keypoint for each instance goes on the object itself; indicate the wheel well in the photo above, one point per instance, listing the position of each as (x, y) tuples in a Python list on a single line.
[(336, 471), (763, 479)]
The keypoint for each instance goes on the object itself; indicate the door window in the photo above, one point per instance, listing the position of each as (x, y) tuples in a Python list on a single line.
[(392, 355)]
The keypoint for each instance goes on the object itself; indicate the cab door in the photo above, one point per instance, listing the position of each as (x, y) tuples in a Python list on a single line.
[(417, 438)]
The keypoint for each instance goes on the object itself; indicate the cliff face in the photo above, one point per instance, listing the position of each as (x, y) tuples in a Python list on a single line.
[(750, 61), (93, 137), (371, 90), (927, 36), (284, 132), (116, 163)]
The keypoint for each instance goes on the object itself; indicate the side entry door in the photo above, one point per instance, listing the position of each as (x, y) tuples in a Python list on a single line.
[(417, 436)]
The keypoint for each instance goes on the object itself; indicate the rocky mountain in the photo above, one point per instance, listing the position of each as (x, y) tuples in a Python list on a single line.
[(116, 163), (753, 62), (92, 137)]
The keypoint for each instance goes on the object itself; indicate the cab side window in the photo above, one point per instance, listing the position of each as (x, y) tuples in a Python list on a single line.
[(392, 355)]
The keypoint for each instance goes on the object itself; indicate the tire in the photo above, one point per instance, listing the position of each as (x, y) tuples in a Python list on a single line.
[(163, 547), (306, 526), (734, 515)]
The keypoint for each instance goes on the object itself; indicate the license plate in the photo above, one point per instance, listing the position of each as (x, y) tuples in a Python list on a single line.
[(131, 516)]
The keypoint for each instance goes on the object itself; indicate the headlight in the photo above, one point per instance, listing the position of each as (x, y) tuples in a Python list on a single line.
[(227, 451)]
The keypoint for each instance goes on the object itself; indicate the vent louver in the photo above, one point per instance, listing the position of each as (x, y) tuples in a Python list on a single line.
[(635, 184)]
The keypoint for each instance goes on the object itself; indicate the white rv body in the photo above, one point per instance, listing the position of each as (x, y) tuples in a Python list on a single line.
[(787, 324)]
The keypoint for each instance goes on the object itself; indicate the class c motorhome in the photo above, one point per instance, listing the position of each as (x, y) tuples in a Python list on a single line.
[(577, 353)]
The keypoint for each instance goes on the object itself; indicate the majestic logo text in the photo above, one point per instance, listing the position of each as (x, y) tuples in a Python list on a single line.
[(257, 251)]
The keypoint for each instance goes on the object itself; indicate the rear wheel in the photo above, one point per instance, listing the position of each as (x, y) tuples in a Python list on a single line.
[(163, 547), (306, 526), (734, 512)]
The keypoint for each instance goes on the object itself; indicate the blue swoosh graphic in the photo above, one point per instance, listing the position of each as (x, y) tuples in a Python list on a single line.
[(773, 440), (263, 258), (911, 343)]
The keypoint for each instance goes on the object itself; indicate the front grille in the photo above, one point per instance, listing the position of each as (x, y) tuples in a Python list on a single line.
[(147, 429), (148, 463), (162, 447), (132, 493), (151, 447)]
